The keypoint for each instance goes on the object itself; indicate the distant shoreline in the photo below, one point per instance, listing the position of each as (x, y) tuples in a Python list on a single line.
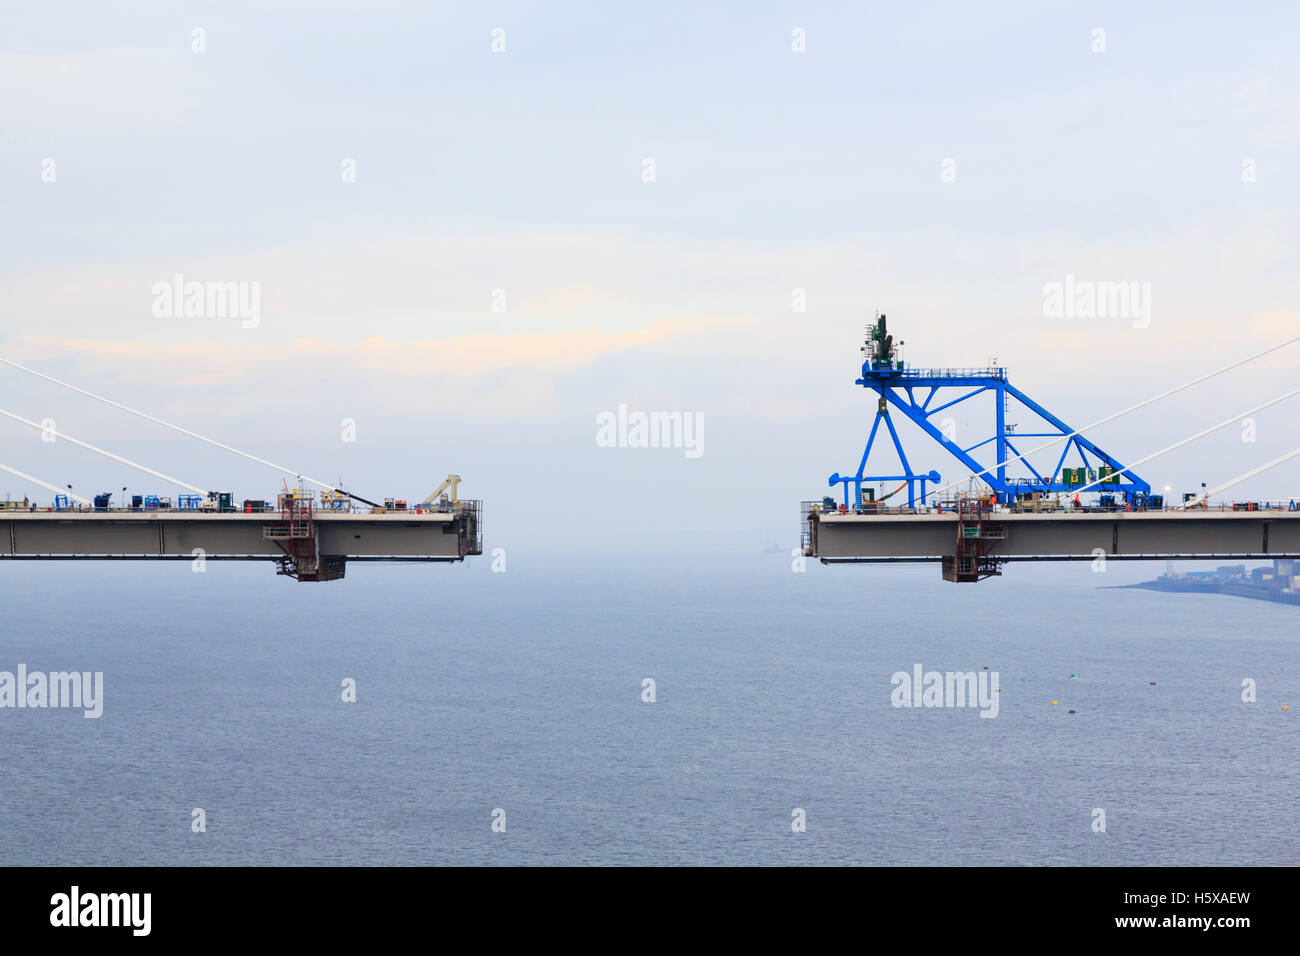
[(1231, 581)]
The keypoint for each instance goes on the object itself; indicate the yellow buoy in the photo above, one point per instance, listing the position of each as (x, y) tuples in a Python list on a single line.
[(1285, 707), (1055, 702)]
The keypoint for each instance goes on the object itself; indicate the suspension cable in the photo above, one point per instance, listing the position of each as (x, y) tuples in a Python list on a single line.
[(1192, 438), (44, 484), (1194, 502), (1119, 414), (106, 454), (176, 428)]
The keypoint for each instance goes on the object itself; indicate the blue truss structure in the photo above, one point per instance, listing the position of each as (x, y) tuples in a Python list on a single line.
[(913, 392)]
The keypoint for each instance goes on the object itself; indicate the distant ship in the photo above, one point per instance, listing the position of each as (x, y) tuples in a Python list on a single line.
[(1280, 584)]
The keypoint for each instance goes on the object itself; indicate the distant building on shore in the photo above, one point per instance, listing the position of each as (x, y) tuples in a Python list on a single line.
[(1280, 583)]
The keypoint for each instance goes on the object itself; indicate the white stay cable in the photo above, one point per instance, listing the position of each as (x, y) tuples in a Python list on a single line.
[(1195, 502), (1111, 418), (44, 484), (1192, 438), (106, 454), (159, 421)]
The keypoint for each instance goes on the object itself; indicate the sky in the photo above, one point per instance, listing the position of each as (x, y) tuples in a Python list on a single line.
[(474, 228)]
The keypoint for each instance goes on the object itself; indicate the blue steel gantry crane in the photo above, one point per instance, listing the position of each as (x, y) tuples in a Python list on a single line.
[(912, 391)]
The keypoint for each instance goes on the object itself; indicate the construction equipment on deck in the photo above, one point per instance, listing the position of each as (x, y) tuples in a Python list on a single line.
[(450, 484), (912, 392)]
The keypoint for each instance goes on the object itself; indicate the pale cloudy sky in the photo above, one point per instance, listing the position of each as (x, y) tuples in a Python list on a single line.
[(522, 171)]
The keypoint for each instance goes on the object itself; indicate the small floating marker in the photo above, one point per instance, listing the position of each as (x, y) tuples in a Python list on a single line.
[(986, 667), (1069, 711), (1285, 707), (1153, 683), (1055, 702)]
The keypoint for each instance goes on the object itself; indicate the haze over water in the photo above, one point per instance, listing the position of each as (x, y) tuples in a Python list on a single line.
[(523, 691)]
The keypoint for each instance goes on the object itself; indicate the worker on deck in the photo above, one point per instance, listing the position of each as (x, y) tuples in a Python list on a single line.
[(1077, 503)]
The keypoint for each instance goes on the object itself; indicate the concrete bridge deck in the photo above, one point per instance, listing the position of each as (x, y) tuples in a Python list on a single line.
[(449, 535), (1058, 536)]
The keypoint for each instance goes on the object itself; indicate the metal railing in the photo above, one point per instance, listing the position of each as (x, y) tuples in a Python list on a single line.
[(805, 527), (471, 512), (991, 372), (948, 506), (260, 507), (285, 530)]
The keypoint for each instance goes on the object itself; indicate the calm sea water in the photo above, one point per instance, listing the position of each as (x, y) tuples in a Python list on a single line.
[(523, 691)]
